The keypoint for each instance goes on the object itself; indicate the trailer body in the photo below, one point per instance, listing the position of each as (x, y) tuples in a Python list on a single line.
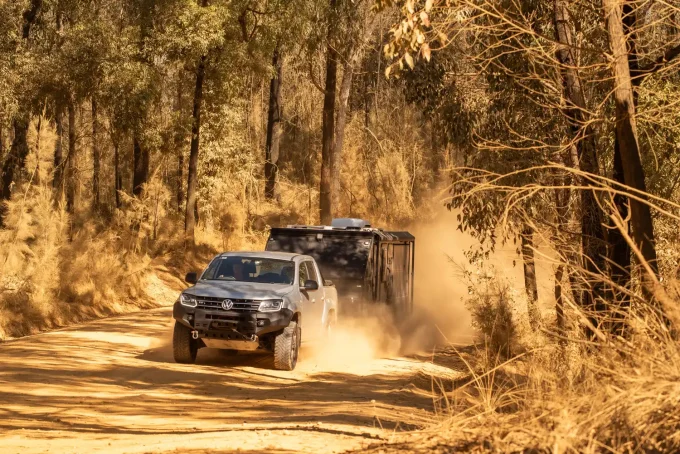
[(367, 265)]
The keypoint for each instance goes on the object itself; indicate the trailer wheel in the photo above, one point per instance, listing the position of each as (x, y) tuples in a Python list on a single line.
[(184, 347), (287, 347)]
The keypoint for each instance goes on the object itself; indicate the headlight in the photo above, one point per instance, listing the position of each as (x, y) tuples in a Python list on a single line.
[(270, 305), (187, 300)]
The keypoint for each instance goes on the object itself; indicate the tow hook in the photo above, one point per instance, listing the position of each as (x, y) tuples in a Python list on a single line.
[(194, 334), (253, 337)]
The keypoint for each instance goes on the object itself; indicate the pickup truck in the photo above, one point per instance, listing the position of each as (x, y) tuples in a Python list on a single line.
[(254, 301)]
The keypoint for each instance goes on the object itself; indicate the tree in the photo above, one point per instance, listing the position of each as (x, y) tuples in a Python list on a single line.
[(584, 137), (96, 156), (141, 150), (192, 181), (16, 158), (328, 127), (72, 161), (627, 138), (360, 27), (274, 127)]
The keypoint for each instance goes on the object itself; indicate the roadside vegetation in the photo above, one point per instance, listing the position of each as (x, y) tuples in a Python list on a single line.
[(568, 114), (138, 137)]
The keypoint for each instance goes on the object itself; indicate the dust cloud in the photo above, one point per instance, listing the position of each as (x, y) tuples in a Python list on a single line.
[(439, 316)]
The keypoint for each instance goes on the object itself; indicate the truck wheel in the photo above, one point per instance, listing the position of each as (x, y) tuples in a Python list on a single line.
[(184, 348), (286, 347)]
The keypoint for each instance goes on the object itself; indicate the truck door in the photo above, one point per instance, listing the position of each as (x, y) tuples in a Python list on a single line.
[(314, 303)]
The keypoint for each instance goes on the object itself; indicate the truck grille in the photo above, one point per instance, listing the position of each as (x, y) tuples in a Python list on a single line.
[(208, 302)]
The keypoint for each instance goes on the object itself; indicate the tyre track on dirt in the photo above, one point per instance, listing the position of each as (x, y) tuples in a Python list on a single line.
[(111, 386)]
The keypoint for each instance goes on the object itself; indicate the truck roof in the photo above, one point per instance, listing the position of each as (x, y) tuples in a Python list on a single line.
[(263, 255)]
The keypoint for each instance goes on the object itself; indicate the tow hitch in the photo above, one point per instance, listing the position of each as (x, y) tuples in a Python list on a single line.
[(194, 334)]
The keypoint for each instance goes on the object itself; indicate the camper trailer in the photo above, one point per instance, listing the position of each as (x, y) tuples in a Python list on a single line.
[(367, 265)]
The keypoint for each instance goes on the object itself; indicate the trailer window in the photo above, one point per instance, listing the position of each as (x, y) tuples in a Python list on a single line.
[(337, 256)]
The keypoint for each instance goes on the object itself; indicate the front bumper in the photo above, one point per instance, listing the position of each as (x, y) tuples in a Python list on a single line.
[(210, 322)]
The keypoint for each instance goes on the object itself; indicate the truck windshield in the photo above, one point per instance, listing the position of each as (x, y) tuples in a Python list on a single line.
[(250, 269)]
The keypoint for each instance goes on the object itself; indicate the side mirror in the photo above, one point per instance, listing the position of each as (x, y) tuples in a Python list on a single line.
[(311, 285), (191, 278)]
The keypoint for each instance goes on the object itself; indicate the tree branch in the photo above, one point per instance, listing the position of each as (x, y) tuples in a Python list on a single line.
[(660, 63), (312, 78)]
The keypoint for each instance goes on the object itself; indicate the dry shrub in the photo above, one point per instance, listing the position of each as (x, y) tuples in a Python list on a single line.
[(491, 308), (619, 397), (55, 272), (30, 246), (385, 172), (140, 220)]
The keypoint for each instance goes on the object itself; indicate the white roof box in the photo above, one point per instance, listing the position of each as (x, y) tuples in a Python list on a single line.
[(349, 223)]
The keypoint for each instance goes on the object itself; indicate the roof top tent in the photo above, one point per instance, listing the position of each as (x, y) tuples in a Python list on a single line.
[(366, 264)]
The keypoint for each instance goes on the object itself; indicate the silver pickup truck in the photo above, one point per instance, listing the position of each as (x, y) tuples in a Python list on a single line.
[(254, 300)]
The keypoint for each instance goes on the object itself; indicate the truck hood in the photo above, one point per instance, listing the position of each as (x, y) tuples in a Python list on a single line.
[(239, 290)]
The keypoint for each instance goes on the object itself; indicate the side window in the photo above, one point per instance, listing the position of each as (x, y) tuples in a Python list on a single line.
[(311, 272), (303, 274)]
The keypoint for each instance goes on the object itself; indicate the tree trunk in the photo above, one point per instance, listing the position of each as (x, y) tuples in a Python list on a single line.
[(30, 17), (328, 123), (58, 178), (179, 148), (180, 180), (38, 133), (274, 128), (559, 302), (619, 254), (530, 284), (15, 159), (96, 156), (619, 250), (141, 166), (192, 181), (626, 133), (2, 140), (592, 231), (58, 172), (118, 179), (341, 122), (140, 175), (71, 161)]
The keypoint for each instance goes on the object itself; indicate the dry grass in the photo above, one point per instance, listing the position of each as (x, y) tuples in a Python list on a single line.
[(550, 399), (561, 391)]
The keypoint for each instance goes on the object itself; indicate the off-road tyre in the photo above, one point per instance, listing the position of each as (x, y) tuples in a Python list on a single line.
[(287, 347), (184, 348)]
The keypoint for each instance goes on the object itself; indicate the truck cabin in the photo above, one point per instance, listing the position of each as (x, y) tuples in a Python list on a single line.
[(364, 263)]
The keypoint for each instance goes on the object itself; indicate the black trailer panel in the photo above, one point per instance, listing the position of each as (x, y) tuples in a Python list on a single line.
[(365, 264)]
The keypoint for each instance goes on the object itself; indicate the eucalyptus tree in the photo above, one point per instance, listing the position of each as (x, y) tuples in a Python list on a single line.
[(533, 47), (349, 27), (17, 44), (215, 41)]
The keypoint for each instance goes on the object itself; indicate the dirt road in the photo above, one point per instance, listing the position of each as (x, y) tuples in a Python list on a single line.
[(111, 386)]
